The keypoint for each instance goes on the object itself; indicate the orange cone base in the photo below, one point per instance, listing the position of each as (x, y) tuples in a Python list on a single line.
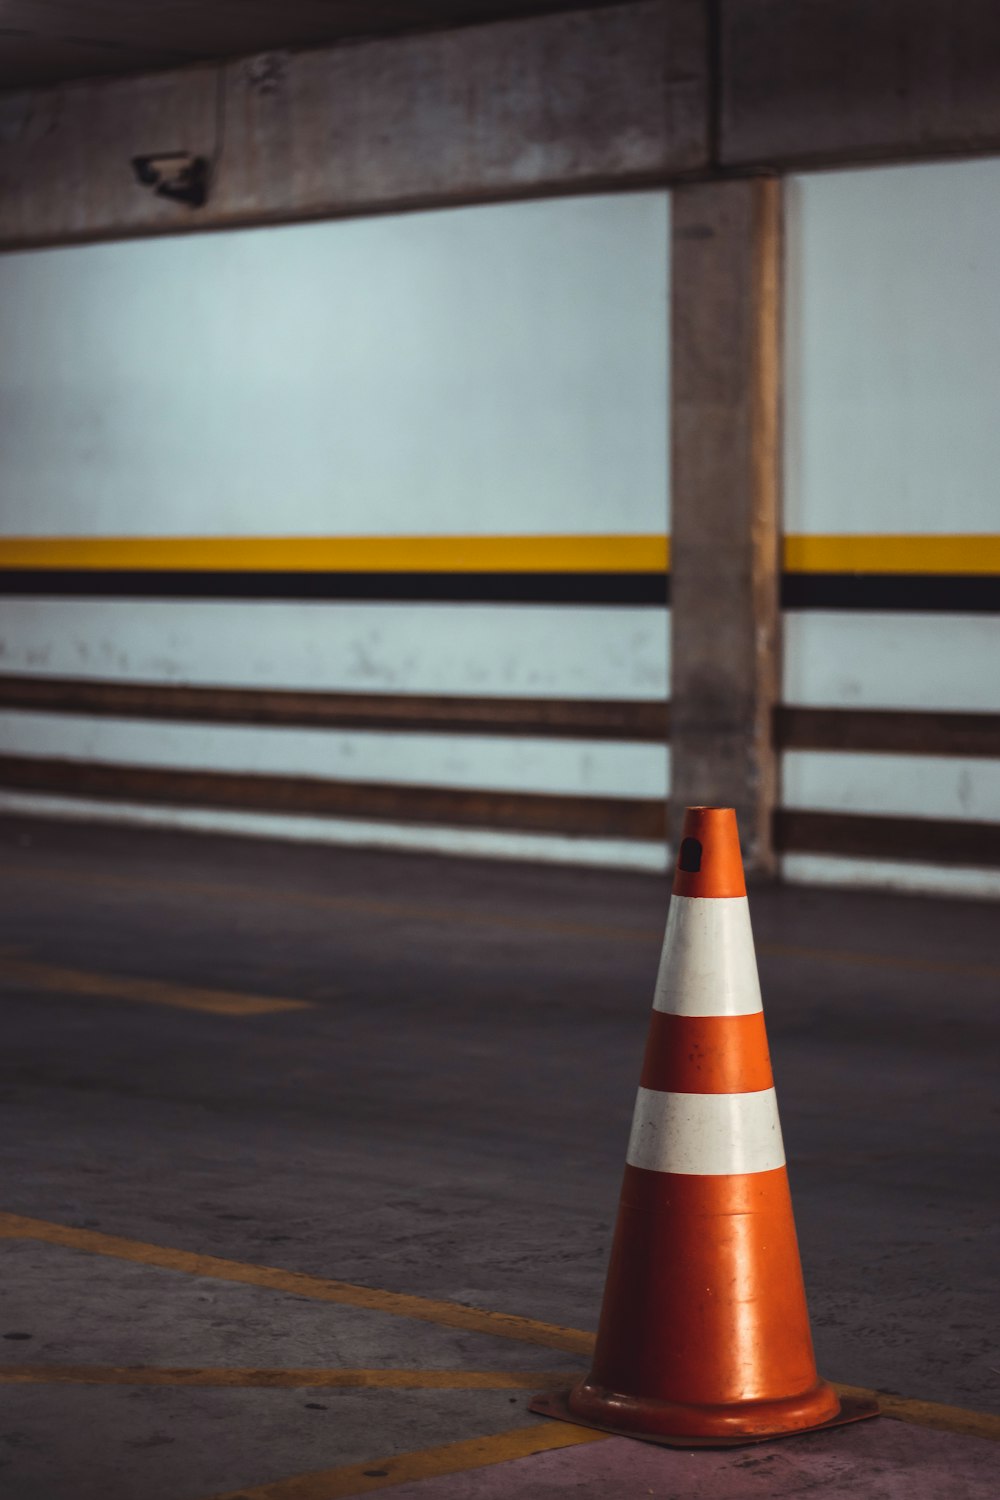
[(678, 1426)]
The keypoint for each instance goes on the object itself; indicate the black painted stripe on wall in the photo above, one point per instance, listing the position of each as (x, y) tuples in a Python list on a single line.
[(951, 593), (386, 588), (917, 592)]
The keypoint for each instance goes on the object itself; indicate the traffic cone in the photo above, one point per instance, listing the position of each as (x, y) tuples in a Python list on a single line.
[(704, 1335)]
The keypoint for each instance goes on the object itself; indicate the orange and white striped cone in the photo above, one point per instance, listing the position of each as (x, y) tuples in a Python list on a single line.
[(704, 1335)]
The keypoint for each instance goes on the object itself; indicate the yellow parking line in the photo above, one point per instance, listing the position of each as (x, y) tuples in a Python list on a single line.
[(476, 1453), (409, 911), (398, 1304), (881, 960), (981, 1424), (424, 1309), (56, 980), (427, 1463), (954, 1419), (384, 1379)]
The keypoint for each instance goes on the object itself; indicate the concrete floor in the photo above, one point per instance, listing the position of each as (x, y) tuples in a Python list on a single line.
[(448, 1118)]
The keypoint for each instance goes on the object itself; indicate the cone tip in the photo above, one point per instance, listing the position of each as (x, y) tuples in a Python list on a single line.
[(708, 858)]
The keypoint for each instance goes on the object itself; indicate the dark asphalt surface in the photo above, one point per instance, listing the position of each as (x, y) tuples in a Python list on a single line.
[(450, 1118)]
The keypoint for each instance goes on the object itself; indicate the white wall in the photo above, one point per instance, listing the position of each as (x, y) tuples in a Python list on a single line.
[(893, 354), (564, 651), (477, 370), (487, 371), (893, 368)]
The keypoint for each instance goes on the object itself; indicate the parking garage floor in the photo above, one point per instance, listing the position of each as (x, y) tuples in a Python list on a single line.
[(311, 1157)]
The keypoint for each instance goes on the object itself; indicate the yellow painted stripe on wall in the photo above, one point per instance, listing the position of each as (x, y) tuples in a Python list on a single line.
[(970, 554), (892, 554), (360, 554)]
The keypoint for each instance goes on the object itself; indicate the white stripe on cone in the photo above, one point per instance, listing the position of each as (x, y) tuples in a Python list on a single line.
[(706, 1135), (708, 966)]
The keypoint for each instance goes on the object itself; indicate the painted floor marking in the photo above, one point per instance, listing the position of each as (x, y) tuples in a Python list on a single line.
[(954, 1419), (361, 905), (424, 1309), (399, 1304), (427, 1463), (227, 1378), (881, 960), (55, 980), (449, 916)]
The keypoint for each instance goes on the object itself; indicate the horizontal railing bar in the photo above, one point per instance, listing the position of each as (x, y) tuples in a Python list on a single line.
[(933, 841), (888, 731), (553, 718), (520, 812)]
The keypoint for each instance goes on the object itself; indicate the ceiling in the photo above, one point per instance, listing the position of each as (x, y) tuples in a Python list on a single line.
[(50, 41)]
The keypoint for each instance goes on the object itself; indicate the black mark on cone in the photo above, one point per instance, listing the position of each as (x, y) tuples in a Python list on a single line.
[(690, 859)]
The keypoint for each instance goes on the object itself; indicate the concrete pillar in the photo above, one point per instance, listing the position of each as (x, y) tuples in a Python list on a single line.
[(725, 386)]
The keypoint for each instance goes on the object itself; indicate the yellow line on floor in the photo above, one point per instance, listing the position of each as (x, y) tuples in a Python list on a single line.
[(426, 1310), (954, 1419), (980, 1424), (385, 1379), (61, 981), (450, 916), (364, 906), (398, 1304), (522, 1442), (880, 960), (428, 1463)]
